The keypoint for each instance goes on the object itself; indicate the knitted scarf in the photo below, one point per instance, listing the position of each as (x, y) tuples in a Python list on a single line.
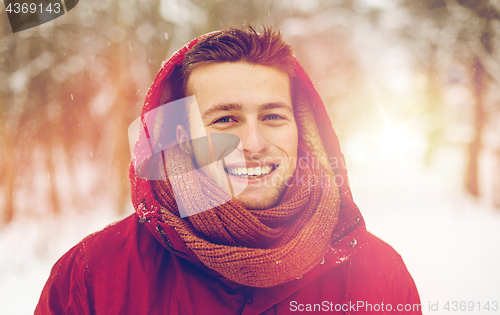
[(258, 248)]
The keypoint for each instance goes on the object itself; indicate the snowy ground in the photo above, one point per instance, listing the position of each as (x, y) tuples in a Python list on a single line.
[(448, 241), (29, 249)]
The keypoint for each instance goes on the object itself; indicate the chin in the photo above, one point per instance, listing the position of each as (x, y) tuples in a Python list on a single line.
[(259, 202), (256, 204)]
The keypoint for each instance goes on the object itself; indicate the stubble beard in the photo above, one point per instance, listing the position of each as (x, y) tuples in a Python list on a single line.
[(263, 202)]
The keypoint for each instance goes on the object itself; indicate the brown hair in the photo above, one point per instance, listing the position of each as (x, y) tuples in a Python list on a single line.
[(239, 45)]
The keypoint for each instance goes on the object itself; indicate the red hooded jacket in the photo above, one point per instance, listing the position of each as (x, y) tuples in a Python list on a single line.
[(140, 265)]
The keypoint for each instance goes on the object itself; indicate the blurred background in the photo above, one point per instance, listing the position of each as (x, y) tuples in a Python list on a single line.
[(412, 88)]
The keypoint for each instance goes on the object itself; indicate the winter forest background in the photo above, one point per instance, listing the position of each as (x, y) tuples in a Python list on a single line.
[(412, 88)]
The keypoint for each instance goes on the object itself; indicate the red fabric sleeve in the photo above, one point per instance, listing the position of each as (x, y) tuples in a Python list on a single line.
[(65, 291), (407, 293)]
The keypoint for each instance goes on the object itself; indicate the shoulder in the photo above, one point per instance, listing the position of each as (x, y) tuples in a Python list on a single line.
[(379, 273), (98, 266), (377, 259), (118, 248), (376, 251), (67, 290), (101, 244), (111, 238)]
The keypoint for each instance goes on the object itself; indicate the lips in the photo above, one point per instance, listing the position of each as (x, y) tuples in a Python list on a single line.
[(251, 172)]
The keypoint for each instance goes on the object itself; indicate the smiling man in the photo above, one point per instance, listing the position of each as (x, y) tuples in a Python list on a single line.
[(253, 102), (242, 201)]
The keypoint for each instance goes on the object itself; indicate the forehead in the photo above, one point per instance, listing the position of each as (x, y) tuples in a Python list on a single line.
[(247, 85)]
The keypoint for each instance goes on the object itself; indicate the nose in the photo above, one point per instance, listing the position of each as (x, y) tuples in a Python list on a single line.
[(253, 138)]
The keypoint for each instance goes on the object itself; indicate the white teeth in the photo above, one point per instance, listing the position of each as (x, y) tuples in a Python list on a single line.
[(266, 169), (251, 171), (257, 171)]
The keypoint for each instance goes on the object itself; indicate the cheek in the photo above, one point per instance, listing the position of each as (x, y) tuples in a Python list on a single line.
[(197, 131), (287, 140), (196, 127)]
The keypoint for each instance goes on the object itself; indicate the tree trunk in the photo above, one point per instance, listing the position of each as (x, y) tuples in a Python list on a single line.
[(435, 129), (8, 176), (51, 173), (496, 180), (472, 184)]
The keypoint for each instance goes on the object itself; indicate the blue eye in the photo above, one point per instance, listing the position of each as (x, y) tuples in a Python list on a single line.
[(224, 120), (274, 117)]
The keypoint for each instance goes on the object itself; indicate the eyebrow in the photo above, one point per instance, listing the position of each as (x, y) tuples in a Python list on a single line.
[(238, 107), (221, 107), (270, 106)]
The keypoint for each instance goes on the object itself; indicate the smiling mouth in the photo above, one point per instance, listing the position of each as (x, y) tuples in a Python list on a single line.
[(251, 172)]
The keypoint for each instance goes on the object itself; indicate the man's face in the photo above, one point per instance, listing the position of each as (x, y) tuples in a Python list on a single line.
[(254, 103)]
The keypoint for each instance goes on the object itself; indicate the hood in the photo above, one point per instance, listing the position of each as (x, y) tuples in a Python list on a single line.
[(346, 237)]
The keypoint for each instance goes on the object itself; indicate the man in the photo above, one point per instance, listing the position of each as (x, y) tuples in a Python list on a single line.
[(265, 224)]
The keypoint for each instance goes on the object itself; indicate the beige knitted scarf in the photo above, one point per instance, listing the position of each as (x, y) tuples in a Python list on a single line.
[(258, 248)]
